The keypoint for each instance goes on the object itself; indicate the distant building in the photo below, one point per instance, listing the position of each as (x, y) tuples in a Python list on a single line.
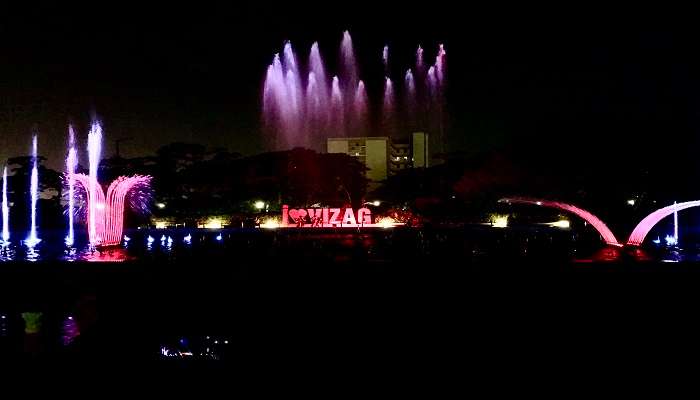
[(382, 156)]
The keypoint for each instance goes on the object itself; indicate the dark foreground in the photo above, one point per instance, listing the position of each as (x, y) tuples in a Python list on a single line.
[(342, 304), (283, 311)]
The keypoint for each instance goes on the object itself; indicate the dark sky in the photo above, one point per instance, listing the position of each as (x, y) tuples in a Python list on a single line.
[(571, 85)]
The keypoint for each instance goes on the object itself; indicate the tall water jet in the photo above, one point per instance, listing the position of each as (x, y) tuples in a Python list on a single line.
[(360, 109), (96, 208), (317, 97), (420, 66), (410, 99), (337, 119), (348, 80), (319, 70), (434, 122), (440, 64), (106, 211), (5, 209), (388, 118), (385, 59), (293, 122), (303, 110), (675, 222), (432, 82), (349, 67), (441, 77), (276, 102), (314, 108), (71, 164), (293, 83), (33, 239)]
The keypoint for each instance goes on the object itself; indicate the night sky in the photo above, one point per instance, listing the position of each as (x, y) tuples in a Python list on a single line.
[(570, 88)]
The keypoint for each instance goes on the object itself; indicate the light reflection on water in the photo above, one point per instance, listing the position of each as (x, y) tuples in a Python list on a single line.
[(7, 253), (33, 254), (112, 254), (176, 244)]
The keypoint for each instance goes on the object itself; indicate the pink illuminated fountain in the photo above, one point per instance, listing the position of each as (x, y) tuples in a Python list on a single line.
[(388, 117), (105, 211), (599, 225), (642, 229), (304, 103), (5, 210)]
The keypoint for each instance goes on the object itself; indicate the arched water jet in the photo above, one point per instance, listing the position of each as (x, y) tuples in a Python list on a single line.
[(640, 232), (599, 225)]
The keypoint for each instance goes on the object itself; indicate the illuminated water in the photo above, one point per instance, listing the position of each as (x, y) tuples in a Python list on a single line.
[(5, 210), (472, 245), (32, 240), (290, 293), (304, 103), (94, 153), (71, 164)]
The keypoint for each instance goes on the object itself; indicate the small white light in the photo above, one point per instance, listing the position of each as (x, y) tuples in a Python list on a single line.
[(563, 223), (376, 203), (160, 205), (259, 205), (500, 222), (539, 203), (671, 240), (631, 202)]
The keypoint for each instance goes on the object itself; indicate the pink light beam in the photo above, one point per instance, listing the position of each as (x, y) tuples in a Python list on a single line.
[(642, 229), (599, 225), (108, 211)]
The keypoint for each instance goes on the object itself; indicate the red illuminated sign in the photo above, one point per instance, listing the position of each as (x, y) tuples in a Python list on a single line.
[(326, 217)]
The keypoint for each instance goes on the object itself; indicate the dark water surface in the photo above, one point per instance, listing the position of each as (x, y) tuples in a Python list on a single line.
[(384, 297)]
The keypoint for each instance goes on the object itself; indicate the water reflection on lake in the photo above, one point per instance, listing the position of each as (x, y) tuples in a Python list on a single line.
[(470, 243)]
